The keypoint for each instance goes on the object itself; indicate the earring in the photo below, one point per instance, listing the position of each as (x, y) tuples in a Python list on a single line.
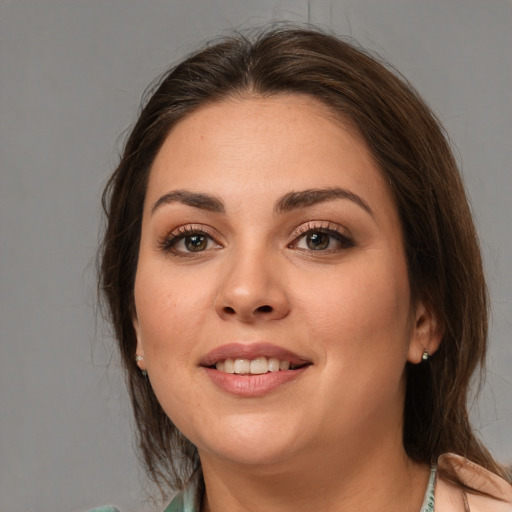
[(425, 356), (138, 359)]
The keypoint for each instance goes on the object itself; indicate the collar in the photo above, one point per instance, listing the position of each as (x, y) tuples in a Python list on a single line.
[(493, 494)]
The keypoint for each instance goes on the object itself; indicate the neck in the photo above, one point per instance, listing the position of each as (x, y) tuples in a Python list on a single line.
[(353, 478)]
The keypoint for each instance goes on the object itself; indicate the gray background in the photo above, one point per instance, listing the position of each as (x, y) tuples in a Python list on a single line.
[(71, 75)]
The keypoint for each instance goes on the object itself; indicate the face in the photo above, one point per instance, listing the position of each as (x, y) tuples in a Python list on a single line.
[(272, 299)]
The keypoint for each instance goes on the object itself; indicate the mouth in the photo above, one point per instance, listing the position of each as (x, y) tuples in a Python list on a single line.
[(252, 358), (251, 370)]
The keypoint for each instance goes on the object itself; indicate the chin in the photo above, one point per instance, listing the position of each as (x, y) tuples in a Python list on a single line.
[(259, 442), (250, 456)]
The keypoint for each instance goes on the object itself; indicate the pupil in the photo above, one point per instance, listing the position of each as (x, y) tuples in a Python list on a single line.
[(195, 243), (317, 241)]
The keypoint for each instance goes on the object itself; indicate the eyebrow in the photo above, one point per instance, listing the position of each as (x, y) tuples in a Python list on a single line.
[(289, 202), (194, 199), (310, 197)]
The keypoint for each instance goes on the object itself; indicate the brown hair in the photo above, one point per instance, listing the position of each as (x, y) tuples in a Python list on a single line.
[(406, 140)]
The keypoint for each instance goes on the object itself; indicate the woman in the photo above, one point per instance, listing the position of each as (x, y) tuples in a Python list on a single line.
[(294, 278)]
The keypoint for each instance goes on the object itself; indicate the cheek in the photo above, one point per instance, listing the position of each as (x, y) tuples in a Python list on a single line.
[(364, 307), (163, 306), (169, 319)]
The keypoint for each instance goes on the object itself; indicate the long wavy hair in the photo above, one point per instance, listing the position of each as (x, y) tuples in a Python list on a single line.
[(412, 151)]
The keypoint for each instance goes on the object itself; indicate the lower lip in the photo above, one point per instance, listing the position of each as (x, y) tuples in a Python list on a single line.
[(251, 386)]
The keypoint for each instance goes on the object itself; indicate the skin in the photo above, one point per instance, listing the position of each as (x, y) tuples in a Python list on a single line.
[(330, 439)]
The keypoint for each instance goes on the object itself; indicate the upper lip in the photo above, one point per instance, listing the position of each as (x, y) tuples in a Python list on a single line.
[(251, 351)]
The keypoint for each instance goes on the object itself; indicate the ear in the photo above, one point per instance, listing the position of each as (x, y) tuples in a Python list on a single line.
[(427, 333), (139, 350)]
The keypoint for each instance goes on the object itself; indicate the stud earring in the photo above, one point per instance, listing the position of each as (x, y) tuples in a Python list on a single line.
[(425, 356), (138, 359)]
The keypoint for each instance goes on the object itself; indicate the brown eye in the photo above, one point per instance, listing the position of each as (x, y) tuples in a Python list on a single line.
[(195, 243), (317, 241), (326, 240), (188, 242)]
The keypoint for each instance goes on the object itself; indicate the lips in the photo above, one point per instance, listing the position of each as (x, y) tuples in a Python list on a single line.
[(252, 370)]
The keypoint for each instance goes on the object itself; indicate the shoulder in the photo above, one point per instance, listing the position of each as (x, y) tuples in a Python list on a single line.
[(497, 493)]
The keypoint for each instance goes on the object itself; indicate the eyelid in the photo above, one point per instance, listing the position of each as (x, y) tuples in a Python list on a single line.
[(322, 225), (336, 230), (166, 242)]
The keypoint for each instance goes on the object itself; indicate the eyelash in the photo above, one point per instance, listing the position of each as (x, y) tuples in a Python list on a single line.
[(329, 229), (169, 242)]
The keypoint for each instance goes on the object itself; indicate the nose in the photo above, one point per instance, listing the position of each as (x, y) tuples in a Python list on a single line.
[(252, 289)]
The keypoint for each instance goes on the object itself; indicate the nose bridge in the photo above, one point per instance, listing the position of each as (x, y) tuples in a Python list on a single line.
[(251, 285)]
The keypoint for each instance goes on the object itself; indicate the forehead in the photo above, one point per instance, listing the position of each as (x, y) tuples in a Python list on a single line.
[(284, 142)]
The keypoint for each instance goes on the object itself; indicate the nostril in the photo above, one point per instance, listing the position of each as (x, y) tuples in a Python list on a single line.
[(264, 309)]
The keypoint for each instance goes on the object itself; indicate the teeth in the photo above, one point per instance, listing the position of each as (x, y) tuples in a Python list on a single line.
[(242, 366), (229, 366), (273, 364), (256, 366), (284, 365), (259, 366)]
